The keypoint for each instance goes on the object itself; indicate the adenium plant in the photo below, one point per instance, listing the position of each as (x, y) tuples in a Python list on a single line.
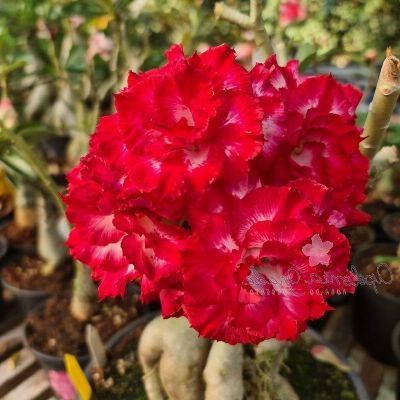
[(223, 192)]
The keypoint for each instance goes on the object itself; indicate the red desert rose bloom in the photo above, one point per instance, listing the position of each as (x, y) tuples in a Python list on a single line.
[(103, 216), (291, 11), (310, 132), (93, 197), (188, 123), (222, 192), (263, 268)]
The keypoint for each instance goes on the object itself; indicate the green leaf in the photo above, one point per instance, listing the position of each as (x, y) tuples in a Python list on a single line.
[(385, 259), (306, 54), (121, 5), (361, 118), (34, 132), (87, 9), (393, 136), (76, 59)]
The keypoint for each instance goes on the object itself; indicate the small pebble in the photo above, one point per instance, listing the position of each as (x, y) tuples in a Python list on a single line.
[(108, 383), (120, 365)]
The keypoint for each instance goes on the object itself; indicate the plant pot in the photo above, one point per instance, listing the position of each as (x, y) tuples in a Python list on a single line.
[(387, 225), (71, 338), (14, 246), (396, 342), (49, 362), (22, 276), (396, 350), (376, 314), (28, 300), (377, 209), (359, 236)]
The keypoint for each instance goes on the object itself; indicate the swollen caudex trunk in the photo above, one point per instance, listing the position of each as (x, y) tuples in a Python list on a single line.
[(173, 358), (223, 372), (179, 365), (84, 294), (25, 213), (50, 241)]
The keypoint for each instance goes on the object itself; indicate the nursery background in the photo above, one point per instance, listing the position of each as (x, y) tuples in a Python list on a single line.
[(61, 61)]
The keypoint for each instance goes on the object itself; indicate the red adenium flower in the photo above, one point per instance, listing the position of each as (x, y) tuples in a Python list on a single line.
[(263, 268), (189, 122), (177, 129), (291, 11), (95, 188), (309, 129), (222, 192)]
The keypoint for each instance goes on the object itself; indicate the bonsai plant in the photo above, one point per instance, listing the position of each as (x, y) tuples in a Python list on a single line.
[(247, 371), (201, 195)]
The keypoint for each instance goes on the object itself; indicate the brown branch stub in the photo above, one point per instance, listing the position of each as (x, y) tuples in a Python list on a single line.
[(223, 11), (382, 105), (254, 22)]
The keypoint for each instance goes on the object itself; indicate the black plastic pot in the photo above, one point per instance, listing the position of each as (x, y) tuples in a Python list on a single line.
[(359, 236), (396, 342), (396, 350), (3, 251), (27, 299), (3, 246), (376, 314), (387, 225), (15, 248), (49, 362), (355, 379)]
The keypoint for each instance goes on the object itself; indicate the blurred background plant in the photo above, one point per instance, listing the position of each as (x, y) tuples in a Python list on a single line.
[(60, 60)]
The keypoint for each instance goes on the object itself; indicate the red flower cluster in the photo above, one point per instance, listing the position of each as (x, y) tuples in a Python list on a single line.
[(223, 191), (291, 11)]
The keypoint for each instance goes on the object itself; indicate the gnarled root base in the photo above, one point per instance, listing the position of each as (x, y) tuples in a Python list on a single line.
[(179, 365)]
